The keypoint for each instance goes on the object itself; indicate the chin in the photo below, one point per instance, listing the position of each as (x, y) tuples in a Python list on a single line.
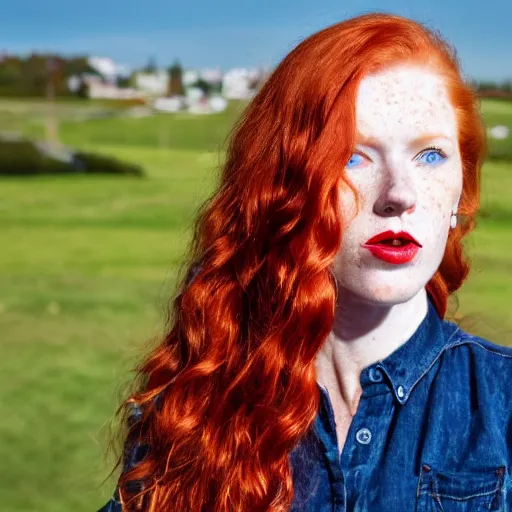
[(392, 297), (384, 293)]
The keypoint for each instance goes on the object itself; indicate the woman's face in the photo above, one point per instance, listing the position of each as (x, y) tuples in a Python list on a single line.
[(406, 168)]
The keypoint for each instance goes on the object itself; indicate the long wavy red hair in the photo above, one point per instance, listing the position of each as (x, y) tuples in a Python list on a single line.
[(231, 389)]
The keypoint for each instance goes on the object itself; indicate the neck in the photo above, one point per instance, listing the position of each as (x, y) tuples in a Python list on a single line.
[(362, 334)]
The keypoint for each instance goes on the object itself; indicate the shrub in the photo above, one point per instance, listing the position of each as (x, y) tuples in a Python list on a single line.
[(19, 157), (54, 166), (93, 163), (23, 157)]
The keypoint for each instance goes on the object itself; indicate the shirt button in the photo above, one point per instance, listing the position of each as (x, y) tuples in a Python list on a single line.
[(375, 375), (400, 391), (363, 436)]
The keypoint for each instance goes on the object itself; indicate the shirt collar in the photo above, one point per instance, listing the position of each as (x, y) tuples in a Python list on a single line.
[(406, 365)]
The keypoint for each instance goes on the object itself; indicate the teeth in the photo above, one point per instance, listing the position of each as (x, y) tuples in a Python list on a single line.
[(395, 242)]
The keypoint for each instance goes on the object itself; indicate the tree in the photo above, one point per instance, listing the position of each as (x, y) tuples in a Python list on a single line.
[(507, 86), (487, 86), (78, 66), (124, 81), (35, 74), (205, 86), (176, 80), (83, 90), (10, 73), (151, 66)]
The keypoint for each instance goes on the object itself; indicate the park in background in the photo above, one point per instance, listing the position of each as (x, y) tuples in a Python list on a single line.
[(88, 266)]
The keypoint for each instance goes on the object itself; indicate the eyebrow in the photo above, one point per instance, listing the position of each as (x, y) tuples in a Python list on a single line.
[(422, 139)]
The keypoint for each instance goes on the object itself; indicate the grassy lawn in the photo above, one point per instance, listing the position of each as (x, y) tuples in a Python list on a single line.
[(86, 272), (499, 112), (85, 276)]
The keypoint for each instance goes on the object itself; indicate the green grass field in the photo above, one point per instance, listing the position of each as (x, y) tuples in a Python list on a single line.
[(86, 272)]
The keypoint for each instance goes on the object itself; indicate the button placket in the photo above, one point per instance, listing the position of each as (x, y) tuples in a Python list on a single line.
[(364, 435)]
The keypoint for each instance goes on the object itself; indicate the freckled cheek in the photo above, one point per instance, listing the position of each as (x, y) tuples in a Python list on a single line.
[(435, 210), (440, 193), (434, 203), (434, 216)]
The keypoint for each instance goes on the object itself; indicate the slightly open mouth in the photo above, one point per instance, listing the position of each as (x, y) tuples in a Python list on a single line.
[(394, 242)]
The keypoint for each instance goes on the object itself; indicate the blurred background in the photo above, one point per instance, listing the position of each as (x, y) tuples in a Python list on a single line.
[(113, 122)]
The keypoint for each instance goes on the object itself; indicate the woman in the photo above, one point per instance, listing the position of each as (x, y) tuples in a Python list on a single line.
[(308, 366)]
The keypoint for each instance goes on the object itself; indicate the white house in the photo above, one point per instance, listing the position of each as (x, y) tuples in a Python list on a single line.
[(152, 84), (212, 76), (99, 89), (189, 77), (105, 66), (236, 83)]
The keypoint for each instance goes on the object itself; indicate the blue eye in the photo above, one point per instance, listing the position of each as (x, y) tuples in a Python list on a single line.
[(432, 156), (355, 160)]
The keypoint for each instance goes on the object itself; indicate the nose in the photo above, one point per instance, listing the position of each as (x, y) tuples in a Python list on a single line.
[(397, 195)]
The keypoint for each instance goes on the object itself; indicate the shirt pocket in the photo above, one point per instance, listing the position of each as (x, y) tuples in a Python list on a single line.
[(474, 491)]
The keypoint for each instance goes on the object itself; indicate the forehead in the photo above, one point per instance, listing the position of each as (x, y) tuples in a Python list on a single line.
[(404, 101)]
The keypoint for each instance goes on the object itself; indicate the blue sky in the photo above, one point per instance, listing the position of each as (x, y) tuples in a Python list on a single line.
[(225, 33)]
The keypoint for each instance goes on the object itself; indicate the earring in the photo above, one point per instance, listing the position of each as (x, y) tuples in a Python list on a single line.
[(453, 220)]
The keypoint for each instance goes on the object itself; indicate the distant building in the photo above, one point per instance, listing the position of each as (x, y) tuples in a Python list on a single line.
[(212, 76), (152, 84), (102, 82), (238, 83), (193, 94), (107, 68), (97, 88), (190, 77)]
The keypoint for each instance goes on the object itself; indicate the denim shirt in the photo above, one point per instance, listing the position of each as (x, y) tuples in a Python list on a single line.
[(432, 432)]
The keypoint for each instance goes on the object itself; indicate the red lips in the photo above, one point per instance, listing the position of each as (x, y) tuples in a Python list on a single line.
[(395, 254), (390, 235)]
